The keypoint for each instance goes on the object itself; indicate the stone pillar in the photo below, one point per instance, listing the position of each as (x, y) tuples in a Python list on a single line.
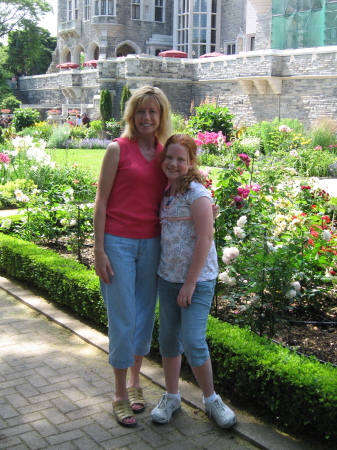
[(263, 23)]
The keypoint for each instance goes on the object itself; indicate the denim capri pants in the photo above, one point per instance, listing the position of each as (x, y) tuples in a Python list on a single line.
[(184, 329), (131, 297)]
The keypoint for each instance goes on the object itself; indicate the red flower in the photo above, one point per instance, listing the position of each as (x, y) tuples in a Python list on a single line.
[(333, 272), (75, 181)]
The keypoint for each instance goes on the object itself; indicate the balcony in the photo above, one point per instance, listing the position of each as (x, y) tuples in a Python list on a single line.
[(72, 28), (107, 23)]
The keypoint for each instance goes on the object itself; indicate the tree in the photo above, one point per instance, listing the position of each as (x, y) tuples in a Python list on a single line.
[(105, 107), (5, 90), (126, 94), (30, 49), (15, 13)]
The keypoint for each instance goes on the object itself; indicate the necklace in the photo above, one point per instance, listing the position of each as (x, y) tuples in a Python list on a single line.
[(148, 153), (170, 198)]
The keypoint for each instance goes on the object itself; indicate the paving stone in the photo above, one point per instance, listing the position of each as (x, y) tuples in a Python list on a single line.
[(60, 397)]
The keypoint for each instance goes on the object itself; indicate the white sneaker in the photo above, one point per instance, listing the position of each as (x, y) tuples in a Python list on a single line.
[(162, 413), (220, 412)]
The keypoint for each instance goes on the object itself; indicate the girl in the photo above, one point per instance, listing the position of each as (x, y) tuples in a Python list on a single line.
[(187, 274)]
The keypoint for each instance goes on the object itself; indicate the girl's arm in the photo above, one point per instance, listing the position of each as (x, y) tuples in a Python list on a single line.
[(203, 220), (106, 179)]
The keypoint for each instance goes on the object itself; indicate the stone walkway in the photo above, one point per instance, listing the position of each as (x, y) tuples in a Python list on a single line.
[(56, 389)]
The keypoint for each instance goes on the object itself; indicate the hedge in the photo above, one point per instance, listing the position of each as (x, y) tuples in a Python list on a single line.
[(299, 391)]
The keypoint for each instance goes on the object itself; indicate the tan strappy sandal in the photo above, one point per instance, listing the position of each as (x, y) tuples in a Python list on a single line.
[(122, 411), (136, 398)]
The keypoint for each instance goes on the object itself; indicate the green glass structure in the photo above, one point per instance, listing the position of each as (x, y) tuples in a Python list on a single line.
[(303, 23)]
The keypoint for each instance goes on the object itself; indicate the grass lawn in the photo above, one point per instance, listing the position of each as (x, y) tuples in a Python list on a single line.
[(92, 160)]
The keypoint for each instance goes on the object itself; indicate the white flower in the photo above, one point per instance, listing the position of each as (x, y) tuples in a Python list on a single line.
[(225, 278), (64, 222), (229, 254), (238, 231), (296, 285), (18, 193), (6, 223), (291, 294), (293, 153), (72, 223), (326, 235), (242, 221), (24, 198)]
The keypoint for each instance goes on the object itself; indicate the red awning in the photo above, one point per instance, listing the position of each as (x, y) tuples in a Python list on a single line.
[(210, 55), (68, 65), (90, 63), (173, 54)]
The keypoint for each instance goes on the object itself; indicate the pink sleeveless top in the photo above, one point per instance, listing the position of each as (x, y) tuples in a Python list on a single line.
[(136, 194)]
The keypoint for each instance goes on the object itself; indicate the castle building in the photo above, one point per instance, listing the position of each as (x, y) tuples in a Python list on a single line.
[(268, 58)]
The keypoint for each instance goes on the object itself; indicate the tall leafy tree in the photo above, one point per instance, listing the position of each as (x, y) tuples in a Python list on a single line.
[(30, 50), (14, 13)]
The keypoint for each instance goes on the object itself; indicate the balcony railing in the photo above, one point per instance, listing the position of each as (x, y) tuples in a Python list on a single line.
[(70, 28)]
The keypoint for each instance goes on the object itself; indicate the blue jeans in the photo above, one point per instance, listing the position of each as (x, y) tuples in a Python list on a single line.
[(184, 329), (131, 297)]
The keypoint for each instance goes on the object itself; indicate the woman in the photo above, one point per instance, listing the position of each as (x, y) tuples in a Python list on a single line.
[(127, 240)]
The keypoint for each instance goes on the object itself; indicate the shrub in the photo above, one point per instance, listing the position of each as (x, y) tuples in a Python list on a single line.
[(95, 129), (114, 128), (178, 123), (105, 106), (59, 136), (126, 94), (10, 102), (211, 118), (24, 118), (323, 133)]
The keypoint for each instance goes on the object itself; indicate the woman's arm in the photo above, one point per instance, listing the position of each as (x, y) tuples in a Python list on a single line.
[(106, 179), (203, 220)]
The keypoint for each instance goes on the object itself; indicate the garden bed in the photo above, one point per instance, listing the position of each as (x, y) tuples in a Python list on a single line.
[(315, 339)]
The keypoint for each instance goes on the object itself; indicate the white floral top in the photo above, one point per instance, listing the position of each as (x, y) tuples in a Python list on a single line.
[(178, 238)]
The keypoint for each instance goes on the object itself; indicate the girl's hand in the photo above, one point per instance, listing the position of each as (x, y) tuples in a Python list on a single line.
[(184, 298), (103, 267)]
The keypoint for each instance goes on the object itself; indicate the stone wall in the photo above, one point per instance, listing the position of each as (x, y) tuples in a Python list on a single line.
[(255, 86)]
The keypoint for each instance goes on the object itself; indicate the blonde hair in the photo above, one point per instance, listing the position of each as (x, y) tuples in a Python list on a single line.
[(193, 173), (140, 97)]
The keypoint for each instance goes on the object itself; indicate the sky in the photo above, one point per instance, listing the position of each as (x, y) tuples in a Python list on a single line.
[(49, 21)]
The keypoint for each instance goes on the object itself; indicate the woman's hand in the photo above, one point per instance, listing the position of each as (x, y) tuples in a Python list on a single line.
[(184, 298), (215, 211), (103, 267)]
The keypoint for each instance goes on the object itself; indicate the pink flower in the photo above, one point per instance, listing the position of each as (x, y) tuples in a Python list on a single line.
[(284, 129), (245, 158), (255, 187), (4, 158), (319, 147), (243, 192)]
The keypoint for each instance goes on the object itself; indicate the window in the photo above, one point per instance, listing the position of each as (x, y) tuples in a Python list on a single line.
[(231, 49), (76, 9), (158, 10), (201, 37), (135, 9), (104, 7), (86, 9), (70, 9), (252, 43)]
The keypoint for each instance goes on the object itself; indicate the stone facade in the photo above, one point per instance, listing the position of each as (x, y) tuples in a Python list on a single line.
[(254, 85)]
